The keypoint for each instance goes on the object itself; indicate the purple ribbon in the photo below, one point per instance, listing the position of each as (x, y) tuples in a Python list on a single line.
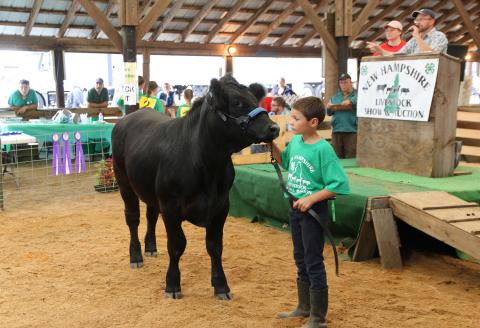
[(57, 165), (67, 161), (79, 156)]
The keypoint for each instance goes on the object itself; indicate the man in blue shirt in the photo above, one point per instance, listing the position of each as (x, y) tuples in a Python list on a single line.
[(343, 107)]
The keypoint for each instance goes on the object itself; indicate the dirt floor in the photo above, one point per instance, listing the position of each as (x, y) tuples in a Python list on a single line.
[(66, 264)]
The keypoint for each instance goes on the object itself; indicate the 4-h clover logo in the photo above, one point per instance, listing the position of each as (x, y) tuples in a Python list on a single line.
[(429, 68), (364, 70)]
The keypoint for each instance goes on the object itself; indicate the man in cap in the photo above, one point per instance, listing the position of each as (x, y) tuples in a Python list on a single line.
[(425, 37), (23, 99), (98, 97), (343, 107), (393, 34)]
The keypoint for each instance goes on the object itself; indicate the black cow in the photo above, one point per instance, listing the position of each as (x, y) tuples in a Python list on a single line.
[(182, 168)]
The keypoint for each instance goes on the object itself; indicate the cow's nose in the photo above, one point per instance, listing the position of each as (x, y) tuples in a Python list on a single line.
[(275, 130)]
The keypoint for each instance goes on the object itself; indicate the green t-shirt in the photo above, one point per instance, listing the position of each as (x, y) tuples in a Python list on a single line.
[(151, 102), (182, 110), (313, 167), (94, 97), (16, 99), (344, 120)]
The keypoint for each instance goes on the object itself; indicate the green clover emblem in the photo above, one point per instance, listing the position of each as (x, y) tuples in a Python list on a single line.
[(364, 70), (429, 68)]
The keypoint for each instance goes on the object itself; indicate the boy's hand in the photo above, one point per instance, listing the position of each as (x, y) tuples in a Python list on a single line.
[(303, 204)]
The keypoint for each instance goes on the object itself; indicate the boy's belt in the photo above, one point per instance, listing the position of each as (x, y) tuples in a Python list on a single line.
[(292, 199)]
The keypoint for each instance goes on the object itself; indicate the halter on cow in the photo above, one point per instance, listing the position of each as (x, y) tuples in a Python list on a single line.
[(183, 169)]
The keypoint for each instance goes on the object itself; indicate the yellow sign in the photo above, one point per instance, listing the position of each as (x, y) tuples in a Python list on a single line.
[(130, 73)]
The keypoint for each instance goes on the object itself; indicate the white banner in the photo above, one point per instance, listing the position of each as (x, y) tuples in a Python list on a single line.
[(397, 90), (129, 89)]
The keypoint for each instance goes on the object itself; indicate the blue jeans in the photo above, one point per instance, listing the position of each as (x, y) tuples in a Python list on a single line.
[(308, 242)]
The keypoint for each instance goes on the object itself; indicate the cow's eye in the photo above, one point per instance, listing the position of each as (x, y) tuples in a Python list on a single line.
[(236, 103)]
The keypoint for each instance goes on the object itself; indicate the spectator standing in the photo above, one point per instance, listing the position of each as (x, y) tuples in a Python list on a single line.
[(183, 109), (343, 107), (393, 34), (149, 100), (282, 89), (279, 107)]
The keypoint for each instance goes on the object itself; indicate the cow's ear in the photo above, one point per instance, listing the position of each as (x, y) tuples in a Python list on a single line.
[(215, 93)]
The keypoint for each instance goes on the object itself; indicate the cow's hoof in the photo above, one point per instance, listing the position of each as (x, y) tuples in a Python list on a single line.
[(173, 295), (151, 253), (136, 265), (223, 296)]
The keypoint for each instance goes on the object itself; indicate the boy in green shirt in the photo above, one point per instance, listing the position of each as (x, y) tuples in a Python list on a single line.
[(23, 99), (314, 176)]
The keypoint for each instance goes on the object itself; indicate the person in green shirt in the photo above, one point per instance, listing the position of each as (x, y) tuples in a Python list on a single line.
[(98, 97), (149, 100), (141, 86), (343, 107), (183, 109), (24, 99), (315, 175)]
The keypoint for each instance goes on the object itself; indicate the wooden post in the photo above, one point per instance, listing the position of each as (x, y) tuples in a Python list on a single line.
[(228, 64), (59, 70), (146, 68), (342, 54), (129, 21), (330, 63)]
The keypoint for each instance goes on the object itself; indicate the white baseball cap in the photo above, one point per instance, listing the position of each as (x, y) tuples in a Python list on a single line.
[(394, 24)]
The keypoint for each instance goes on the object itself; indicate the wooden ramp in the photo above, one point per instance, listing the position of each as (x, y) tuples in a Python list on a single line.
[(437, 213), (442, 216)]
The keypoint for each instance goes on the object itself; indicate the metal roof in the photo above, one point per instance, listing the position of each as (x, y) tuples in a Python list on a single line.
[(14, 15)]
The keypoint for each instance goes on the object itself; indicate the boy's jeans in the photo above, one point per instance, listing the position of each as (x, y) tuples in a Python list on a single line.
[(308, 241)]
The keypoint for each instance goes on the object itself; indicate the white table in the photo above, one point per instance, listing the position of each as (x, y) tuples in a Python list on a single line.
[(14, 140)]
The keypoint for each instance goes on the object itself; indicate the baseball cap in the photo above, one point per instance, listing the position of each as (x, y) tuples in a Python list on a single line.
[(394, 24), (344, 76), (424, 11), (99, 80)]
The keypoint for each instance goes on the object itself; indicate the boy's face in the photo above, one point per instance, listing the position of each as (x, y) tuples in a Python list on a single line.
[(300, 124)]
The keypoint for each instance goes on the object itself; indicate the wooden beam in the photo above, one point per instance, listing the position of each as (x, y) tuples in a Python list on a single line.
[(167, 19), (298, 25), (468, 22), (68, 18), (107, 12), (198, 18), (240, 31), (152, 16), (34, 43), (379, 17), (276, 22), (326, 36), (306, 38), (363, 16), (33, 16), (224, 20), (102, 22)]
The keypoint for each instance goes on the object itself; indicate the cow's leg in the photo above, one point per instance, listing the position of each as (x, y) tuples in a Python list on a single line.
[(214, 241), (176, 243), (150, 238), (132, 216)]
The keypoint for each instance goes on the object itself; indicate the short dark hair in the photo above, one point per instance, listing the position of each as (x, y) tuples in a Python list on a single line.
[(280, 101), (25, 82), (258, 90), (141, 80), (310, 107)]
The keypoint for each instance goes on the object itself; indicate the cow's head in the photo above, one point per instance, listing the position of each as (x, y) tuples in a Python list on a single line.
[(237, 109)]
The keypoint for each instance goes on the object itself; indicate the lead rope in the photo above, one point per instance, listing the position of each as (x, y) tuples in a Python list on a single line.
[(292, 199)]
